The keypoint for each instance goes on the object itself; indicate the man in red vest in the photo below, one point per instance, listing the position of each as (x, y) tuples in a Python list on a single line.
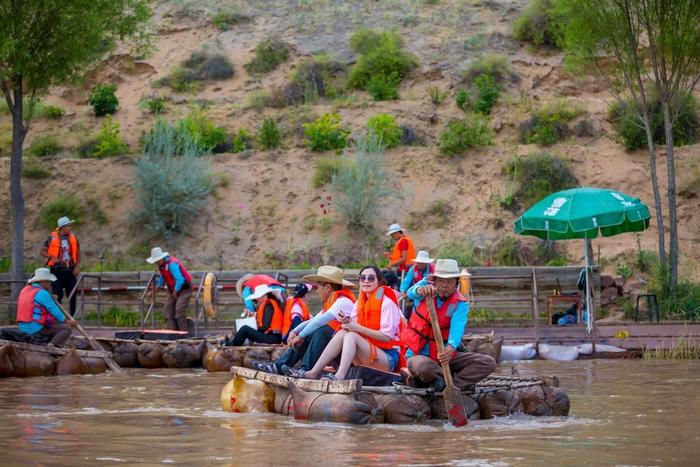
[(62, 253), (179, 283)]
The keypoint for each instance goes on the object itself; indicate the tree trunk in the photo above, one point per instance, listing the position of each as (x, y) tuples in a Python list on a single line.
[(16, 198), (655, 185), (672, 213)]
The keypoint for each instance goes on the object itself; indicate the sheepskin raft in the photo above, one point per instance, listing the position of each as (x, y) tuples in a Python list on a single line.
[(348, 401), (21, 359)]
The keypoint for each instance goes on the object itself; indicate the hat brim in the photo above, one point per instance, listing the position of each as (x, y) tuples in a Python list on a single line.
[(450, 276), (255, 296), (240, 283), (393, 231), (153, 259), (429, 261), (315, 279), (51, 278)]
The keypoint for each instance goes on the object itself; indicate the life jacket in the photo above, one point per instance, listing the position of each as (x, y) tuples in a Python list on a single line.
[(287, 319), (335, 324), (410, 253), (418, 331), (277, 316), (369, 313), (26, 306), (419, 275), (168, 278), (260, 279), (54, 249)]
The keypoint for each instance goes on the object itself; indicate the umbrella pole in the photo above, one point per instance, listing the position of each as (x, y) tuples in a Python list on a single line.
[(589, 303)]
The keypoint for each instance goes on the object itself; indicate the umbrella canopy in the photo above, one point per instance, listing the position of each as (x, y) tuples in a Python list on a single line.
[(583, 213)]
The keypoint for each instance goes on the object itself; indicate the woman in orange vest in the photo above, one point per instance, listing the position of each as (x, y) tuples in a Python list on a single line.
[(370, 335), (404, 251), (269, 318), (295, 310)]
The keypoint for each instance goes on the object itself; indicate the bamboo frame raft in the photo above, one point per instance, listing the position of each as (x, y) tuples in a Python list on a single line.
[(21, 359)]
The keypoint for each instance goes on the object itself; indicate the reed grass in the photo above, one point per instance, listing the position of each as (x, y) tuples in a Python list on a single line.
[(683, 347)]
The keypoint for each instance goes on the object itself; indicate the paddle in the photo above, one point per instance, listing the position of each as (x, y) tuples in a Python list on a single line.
[(454, 405), (93, 343)]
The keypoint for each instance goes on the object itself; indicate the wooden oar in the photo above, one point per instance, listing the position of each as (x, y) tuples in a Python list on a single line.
[(114, 366), (454, 405)]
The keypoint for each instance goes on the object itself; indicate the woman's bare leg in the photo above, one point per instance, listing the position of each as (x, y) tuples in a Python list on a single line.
[(356, 347), (331, 351)]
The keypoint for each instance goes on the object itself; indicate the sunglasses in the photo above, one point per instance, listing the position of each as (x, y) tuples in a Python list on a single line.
[(368, 278)]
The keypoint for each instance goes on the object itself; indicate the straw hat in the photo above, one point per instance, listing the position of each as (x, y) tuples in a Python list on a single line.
[(156, 255), (63, 221), (423, 257), (240, 283), (330, 274), (393, 228), (448, 269), (262, 290), (42, 274)]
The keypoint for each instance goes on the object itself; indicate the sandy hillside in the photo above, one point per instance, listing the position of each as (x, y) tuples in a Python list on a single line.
[(265, 211)]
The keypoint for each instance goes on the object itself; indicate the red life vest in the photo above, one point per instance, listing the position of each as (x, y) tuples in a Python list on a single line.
[(168, 278), (26, 306), (287, 319), (335, 324), (260, 279), (410, 254), (418, 330), (54, 249), (369, 313), (277, 316), (419, 275)]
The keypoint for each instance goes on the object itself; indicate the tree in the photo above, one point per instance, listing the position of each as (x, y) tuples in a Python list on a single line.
[(645, 48), (45, 43)]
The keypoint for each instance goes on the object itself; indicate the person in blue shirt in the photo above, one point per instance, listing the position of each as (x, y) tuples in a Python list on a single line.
[(178, 280), (419, 270), (423, 359), (38, 313)]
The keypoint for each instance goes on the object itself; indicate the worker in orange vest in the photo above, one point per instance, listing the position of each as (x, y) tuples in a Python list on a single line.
[(62, 253), (404, 251), (269, 318)]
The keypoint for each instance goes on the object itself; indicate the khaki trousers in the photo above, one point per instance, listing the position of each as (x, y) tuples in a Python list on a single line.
[(59, 333), (175, 310), (467, 368)]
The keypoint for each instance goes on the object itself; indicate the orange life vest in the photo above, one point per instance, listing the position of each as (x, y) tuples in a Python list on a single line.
[(287, 319), (54, 249), (418, 331), (369, 313), (277, 316), (335, 324), (26, 306), (410, 253)]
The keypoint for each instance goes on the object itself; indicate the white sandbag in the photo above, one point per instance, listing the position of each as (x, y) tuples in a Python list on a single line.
[(561, 353), (587, 349), (518, 352)]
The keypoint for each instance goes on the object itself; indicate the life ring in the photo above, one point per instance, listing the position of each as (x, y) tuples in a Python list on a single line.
[(209, 294)]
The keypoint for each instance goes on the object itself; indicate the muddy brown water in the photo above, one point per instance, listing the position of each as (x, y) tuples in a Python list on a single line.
[(623, 413)]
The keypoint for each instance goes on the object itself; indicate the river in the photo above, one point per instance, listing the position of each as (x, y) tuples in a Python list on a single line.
[(624, 412)]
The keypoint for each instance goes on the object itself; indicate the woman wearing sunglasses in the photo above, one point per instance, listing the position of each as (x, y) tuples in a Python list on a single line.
[(369, 336)]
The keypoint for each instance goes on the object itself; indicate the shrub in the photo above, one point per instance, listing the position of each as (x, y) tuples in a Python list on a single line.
[(33, 169), (269, 54), (507, 252), (224, 19), (153, 104), (384, 87), (202, 130), (200, 66), (386, 128), (62, 206), (548, 124), (242, 141), (103, 100), (365, 40), (325, 133), (269, 136), (493, 65), (461, 135), (381, 53), (538, 175), (326, 168), (172, 181), (44, 147), (437, 95), (625, 119), (483, 95), (681, 303), (109, 141), (540, 24), (49, 111)]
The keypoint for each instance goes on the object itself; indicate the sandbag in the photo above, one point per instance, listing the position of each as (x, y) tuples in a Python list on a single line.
[(71, 364), (518, 352), (342, 408), (403, 408), (544, 401), (149, 355), (484, 346), (30, 363), (560, 353), (222, 359), (284, 402), (243, 395), (182, 355), (587, 349), (499, 404), (438, 412), (95, 365), (7, 361), (125, 354), (252, 354)]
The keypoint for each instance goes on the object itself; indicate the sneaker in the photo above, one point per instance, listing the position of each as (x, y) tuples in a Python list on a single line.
[(267, 367), (330, 377), (293, 372), (439, 384)]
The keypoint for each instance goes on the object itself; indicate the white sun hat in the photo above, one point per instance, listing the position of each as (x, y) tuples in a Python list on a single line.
[(393, 228), (423, 257), (262, 290), (448, 269), (42, 274), (156, 255), (63, 221)]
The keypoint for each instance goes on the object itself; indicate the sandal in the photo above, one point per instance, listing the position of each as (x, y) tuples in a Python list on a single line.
[(293, 372), (330, 377)]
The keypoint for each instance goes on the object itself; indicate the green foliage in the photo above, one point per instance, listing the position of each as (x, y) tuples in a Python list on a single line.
[(59, 207), (626, 118), (326, 133), (381, 54), (201, 129), (103, 100), (269, 54), (153, 104), (311, 79), (437, 95), (51, 112), (199, 67), (116, 317), (548, 124), (461, 250), (269, 136), (172, 181), (681, 302), (44, 147), (540, 24), (33, 169), (223, 20), (460, 135), (507, 252), (482, 97), (386, 129), (242, 141), (365, 40), (623, 270), (384, 87), (326, 168), (538, 175), (493, 65), (109, 141)]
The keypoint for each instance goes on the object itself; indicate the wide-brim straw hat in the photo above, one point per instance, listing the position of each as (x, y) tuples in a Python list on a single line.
[(262, 290), (240, 283), (448, 269), (42, 274), (329, 274), (393, 228), (423, 257), (156, 255)]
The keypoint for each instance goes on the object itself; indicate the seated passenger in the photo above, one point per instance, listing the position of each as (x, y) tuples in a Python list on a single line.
[(421, 267), (247, 284), (269, 318), (295, 311), (368, 336)]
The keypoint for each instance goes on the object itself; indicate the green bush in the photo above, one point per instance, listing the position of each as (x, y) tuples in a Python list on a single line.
[(548, 124), (507, 252), (624, 116), (109, 141), (437, 95), (681, 303), (199, 67), (381, 54), (33, 169), (540, 24), (269, 54), (62, 206), (242, 141), (482, 97), (384, 87), (493, 65), (461, 135), (365, 40), (326, 168), (325, 133), (386, 128), (538, 175), (44, 147), (49, 111), (224, 19), (153, 104), (269, 136), (103, 100), (202, 130)]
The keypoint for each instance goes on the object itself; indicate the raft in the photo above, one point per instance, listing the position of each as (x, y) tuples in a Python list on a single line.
[(349, 401), (22, 359)]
